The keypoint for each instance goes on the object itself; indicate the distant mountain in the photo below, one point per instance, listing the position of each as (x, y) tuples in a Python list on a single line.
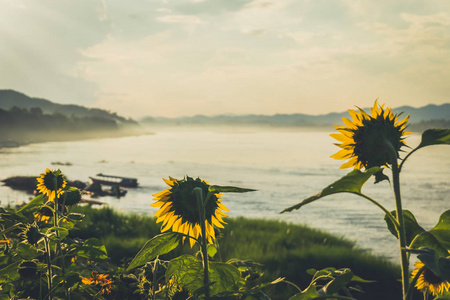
[(11, 98), (430, 114), (25, 120)]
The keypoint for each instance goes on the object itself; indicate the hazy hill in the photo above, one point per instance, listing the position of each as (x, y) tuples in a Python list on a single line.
[(430, 115), (10, 98), (26, 120)]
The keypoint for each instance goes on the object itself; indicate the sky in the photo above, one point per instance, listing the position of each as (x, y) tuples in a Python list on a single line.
[(187, 57)]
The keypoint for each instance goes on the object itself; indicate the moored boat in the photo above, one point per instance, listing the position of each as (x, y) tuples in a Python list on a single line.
[(114, 180)]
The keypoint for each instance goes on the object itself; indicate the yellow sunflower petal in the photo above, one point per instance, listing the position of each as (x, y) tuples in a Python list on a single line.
[(349, 123), (176, 225), (350, 163), (222, 207), (341, 137), (342, 154), (163, 193), (216, 222)]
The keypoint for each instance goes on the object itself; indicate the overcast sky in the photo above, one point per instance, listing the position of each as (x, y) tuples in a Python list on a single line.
[(187, 57)]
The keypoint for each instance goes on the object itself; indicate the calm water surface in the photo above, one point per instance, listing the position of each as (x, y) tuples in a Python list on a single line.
[(284, 166)]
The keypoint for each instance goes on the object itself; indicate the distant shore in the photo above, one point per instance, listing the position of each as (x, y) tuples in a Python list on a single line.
[(41, 137)]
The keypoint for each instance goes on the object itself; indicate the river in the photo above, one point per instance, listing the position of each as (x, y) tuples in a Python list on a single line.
[(284, 166)]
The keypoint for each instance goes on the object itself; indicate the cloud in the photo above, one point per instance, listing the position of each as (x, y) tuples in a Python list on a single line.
[(167, 57), (181, 19)]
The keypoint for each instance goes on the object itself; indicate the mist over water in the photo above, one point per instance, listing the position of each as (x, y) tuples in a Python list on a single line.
[(284, 166)]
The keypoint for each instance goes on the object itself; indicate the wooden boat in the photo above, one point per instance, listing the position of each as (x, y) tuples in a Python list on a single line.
[(114, 180)]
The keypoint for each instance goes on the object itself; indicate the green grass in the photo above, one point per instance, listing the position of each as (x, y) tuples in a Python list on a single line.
[(285, 250)]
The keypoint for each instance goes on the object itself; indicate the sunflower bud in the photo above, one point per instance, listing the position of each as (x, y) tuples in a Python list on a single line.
[(27, 269), (71, 196), (32, 234)]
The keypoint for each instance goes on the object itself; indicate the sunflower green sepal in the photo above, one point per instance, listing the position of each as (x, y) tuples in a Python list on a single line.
[(228, 189), (350, 183)]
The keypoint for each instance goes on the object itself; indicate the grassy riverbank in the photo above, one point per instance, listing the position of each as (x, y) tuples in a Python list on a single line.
[(285, 250)]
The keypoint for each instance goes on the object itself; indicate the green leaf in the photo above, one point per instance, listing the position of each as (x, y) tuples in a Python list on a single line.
[(350, 183), (435, 137), (442, 229), (309, 293), (438, 238), (343, 277), (228, 189), (412, 228), (93, 249), (445, 296), (440, 265), (10, 272), (33, 205), (159, 245), (188, 272), (212, 250), (28, 252), (63, 232), (225, 277)]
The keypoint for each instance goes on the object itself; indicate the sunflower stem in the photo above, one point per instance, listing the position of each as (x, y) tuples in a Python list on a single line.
[(154, 279), (399, 211), (49, 268), (201, 208)]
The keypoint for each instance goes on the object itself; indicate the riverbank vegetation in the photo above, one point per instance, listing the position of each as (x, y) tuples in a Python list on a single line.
[(21, 126), (283, 249)]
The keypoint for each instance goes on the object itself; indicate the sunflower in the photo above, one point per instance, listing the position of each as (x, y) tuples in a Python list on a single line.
[(178, 208), (428, 282), (52, 184), (363, 140)]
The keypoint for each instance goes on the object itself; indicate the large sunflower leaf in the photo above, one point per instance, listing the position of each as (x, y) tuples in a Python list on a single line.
[(442, 229), (158, 245), (438, 238), (93, 249), (440, 265), (350, 183), (435, 137), (10, 272), (188, 272), (33, 205), (428, 240), (228, 189), (28, 252), (225, 277), (412, 228)]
